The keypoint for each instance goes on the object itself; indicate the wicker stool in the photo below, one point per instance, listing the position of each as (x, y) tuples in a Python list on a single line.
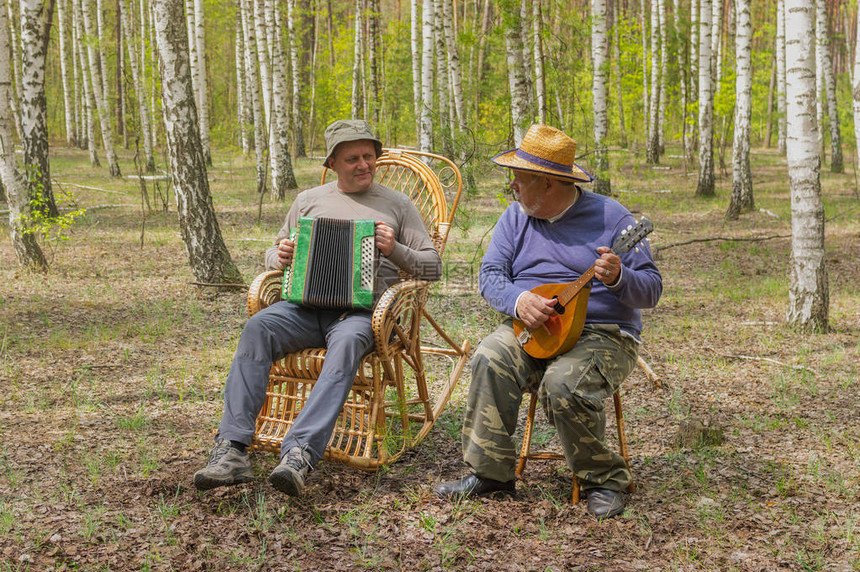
[(526, 452)]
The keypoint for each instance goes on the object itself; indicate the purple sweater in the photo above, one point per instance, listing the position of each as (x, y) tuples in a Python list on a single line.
[(526, 252)]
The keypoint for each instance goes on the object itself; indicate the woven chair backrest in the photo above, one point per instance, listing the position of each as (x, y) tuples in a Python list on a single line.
[(427, 179)]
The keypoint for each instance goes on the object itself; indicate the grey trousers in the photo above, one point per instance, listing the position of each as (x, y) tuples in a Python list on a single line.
[(571, 387), (271, 334)]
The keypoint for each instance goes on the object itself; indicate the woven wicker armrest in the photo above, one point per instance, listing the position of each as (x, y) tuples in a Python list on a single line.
[(396, 315), (264, 291)]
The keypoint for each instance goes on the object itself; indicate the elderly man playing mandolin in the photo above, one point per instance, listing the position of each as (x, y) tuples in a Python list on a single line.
[(554, 240)]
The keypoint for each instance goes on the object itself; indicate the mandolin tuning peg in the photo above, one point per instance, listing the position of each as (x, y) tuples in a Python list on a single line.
[(637, 249), (623, 232)]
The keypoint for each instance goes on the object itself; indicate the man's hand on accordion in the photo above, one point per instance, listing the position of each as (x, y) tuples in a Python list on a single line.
[(285, 251), (384, 238)]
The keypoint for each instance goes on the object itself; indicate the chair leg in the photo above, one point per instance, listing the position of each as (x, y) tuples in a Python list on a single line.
[(525, 451)]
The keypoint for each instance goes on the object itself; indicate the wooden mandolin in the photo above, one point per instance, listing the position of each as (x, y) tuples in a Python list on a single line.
[(562, 330)]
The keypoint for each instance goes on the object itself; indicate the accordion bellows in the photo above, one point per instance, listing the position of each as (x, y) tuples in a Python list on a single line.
[(334, 264)]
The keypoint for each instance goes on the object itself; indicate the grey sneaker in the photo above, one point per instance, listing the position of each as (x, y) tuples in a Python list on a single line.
[(227, 466), (289, 476)]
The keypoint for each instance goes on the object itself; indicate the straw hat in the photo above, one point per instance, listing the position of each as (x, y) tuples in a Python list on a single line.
[(345, 130), (547, 151)]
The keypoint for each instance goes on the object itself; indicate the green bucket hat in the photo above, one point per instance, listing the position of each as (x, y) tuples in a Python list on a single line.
[(345, 130)]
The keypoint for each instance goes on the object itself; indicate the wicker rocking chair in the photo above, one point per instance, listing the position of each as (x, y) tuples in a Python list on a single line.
[(402, 387)]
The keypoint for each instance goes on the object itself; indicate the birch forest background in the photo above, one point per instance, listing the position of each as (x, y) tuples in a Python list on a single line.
[(149, 150)]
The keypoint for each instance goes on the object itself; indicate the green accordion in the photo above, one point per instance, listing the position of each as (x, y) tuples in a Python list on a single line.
[(334, 264)]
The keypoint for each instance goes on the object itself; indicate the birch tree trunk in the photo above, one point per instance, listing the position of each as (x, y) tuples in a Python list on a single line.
[(808, 296), (298, 125), (836, 163), (742, 191), (35, 33), (599, 46), (283, 178), (252, 87), (357, 51), (262, 50), (517, 81), (855, 91), (207, 254), (482, 48), (242, 107), (201, 87), (705, 187), (780, 74), (86, 81), (693, 89), (646, 111), (443, 80), (16, 69), (140, 95), (97, 81), (373, 60), (652, 148), (716, 43), (68, 95), (664, 76), (454, 64), (619, 90), (540, 80), (425, 135), (80, 114), (24, 242), (414, 30)]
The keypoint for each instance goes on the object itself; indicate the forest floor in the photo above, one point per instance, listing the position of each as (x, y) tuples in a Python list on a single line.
[(112, 366)]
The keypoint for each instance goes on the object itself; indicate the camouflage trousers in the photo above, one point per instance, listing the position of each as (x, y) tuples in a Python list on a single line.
[(571, 387)]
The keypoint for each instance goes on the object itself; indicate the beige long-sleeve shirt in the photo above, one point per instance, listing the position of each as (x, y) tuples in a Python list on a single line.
[(413, 251)]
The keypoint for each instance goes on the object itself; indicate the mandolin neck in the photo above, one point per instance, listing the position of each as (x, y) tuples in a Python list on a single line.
[(574, 287)]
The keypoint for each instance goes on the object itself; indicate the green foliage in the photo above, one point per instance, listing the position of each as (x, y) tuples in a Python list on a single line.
[(38, 221)]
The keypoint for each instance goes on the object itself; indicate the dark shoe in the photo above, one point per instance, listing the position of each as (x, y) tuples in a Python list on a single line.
[(289, 476), (474, 486), (604, 503), (227, 466)]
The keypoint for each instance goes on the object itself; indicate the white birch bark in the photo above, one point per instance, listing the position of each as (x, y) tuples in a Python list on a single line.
[(855, 88), (140, 96), (425, 140), (283, 178), (664, 76), (599, 47), (836, 164), (100, 56), (252, 87), (692, 128), (415, 37), (819, 84), (357, 102), (86, 81), (68, 95), (24, 243), (517, 81), (646, 111), (207, 254), (262, 51), (652, 148), (540, 80), (525, 13), (97, 82), (780, 74), (202, 84), (80, 116), (298, 131), (454, 64), (716, 43), (808, 296), (443, 80), (16, 70), (34, 109), (742, 191), (242, 107), (705, 185), (619, 90), (373, 62)]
